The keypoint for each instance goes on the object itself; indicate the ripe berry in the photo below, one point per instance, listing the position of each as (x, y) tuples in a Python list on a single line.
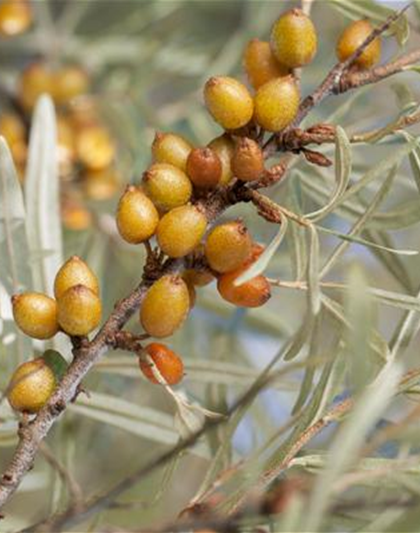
[(79, 310), (276, 104), (247, 160), (294, 39), (31, 386), (35, 314), (100, 185), (224, 147), (35, 80), (228, 101), (352, 37), (15, 17), (137, 217), (13, 130), (261, 64), (69, 82), (75, 216), (228, 246), (167, 186), (75, 272), (204, 168), (181, 230), (95, 147), (252, 293), (165, 306), (171, 148), (199, 278), (168, 363)]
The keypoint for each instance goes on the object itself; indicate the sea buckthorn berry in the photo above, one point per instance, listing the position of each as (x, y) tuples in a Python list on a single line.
[(224, 147), (95, 147), (181, 230), (252, 293), (167, 186), (294, 39), (228, 246), (350, 40), (75, 272), (261, 64), (79, 310), (276, 104), (171, 148), (15, 17), (165, 306), (100, 185), (204, 168), (31, 386), (247, 160), (228, 101), (168, 363), (12, 128), (69, 82), (35, 80), (199, 278), (76, 216), (35, 314), (137, 217)]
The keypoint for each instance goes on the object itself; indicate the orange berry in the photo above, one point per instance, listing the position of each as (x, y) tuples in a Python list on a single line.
[(228, 246), (167, 186), (168, 363), (171, 148), (204, 168), (252, 293), (79, 310), (224, 147), (15, 17), (76, 216), (165, 306), (293, 39), (12, 128), (94, 147), (277, 104), (69, 82), (180, 231), (35, 314), (100, 185), (247, 160), (35, 80), (350, 40), (261, 64), (137, 217), (228, 101), (75, 272)]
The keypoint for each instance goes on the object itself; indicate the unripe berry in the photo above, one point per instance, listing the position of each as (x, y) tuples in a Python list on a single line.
[(294, 39), (100, 185), (137, 217), (171, 148), (252, 293), (276, 104), (204, 168), (79, 310), (35, 314), (35, 80), (260, 63), (165, 306), (168, 363), (228, 101), (228, 246), (199, 278), (75, 272), (247, 160), (31, 386), (350, 40), (167, 186), (94, 147), (15, 17), (69, 82), (224, 148), (181, 230)]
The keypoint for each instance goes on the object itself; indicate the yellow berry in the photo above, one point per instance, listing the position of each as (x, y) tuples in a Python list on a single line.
[(350, 40), (181, 230), (69, 82), (15, 17), (168, 363), (35, 314), (167, 186), (224, 147), (95, 147), (261, 64), (12, 128), (247, 160), (252, 293), (102, 184), (137, 217), (165, 306), (204, 168), (35, 80), (76, 216), (79, 310), (31, 386), (228, 246), (277, 104), (75, 272), (293, 39), (171, 148), (228, 101)]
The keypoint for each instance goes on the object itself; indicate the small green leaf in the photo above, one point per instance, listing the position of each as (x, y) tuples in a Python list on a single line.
[(56, 362)]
